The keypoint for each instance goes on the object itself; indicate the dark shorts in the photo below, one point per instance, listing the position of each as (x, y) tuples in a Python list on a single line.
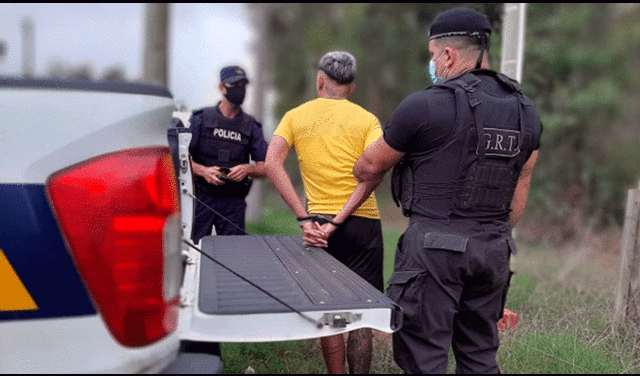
[(451, 281), (357, 243)]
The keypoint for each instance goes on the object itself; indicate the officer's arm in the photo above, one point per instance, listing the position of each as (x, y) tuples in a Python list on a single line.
[(239, 172), (210, 174), (257, 170), (376, 160), (369, 170), (258, 150), (519, 200), (274, 166)]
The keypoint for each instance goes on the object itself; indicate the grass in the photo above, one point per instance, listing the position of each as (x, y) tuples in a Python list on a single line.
[(565, 325), (564, 300)]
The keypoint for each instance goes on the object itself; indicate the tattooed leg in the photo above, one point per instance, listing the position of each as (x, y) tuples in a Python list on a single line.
[(359, 349), (333, 352)]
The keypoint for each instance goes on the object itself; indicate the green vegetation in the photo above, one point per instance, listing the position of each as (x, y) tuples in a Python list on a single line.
[(275, 221), (271, 358), (564, 323), (555, 353), (580, 67)]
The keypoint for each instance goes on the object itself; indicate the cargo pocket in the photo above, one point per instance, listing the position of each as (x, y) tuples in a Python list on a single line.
[(398, 283), (446, 241)]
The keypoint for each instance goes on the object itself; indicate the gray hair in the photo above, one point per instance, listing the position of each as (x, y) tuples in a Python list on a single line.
[(340, 66)]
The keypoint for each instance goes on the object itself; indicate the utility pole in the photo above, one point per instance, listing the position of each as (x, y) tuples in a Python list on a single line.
[(513, 27), (155, 65), (3, 49), (28, 48), (259, 15)]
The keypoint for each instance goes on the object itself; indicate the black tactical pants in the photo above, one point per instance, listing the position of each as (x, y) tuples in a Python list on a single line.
[(451, 280)]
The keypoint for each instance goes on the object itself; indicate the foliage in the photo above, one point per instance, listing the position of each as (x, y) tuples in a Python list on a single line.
[(389, 41), (578, 73), (274, 357), (84, 71), (579, 67)]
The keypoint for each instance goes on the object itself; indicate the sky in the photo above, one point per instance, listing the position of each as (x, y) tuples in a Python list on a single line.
[(203, 38)]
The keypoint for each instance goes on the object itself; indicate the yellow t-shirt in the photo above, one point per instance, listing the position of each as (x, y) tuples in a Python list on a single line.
[(329, 135)]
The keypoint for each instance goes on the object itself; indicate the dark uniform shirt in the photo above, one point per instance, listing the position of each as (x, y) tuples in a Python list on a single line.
[(256, 145), (451, 273), (220, 141), (421, 126), (425, 119)]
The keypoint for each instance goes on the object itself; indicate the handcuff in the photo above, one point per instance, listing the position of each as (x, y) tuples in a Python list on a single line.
[(314, 218)]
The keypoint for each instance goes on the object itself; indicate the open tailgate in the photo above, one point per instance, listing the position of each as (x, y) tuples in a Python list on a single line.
[(219, 306)]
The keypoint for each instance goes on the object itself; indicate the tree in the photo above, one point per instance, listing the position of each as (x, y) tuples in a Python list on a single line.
[(579, 65), (389, 42), (577, 73), (63, 70), (114, 73)]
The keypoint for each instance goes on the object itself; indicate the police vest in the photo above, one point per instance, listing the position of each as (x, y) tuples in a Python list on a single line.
[(475, 173), (223, 142)]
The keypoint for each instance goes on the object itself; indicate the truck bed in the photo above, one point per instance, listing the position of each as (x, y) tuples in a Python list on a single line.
[(306, 278), (332, 297)]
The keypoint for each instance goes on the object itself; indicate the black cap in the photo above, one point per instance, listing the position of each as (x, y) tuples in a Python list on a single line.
[(231, 74), (460, 21)]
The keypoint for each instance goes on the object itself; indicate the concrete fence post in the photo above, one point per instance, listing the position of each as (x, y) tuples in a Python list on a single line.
[(627, 276)]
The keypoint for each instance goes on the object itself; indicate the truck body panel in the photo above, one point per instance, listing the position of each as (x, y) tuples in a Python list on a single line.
[(50, 318), (45, 126)]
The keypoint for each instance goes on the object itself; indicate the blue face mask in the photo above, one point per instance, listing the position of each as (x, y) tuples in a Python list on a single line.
[(432, 71)]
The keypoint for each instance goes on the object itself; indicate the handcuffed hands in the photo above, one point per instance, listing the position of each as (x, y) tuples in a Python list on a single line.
[(312, 235), (316, 235)]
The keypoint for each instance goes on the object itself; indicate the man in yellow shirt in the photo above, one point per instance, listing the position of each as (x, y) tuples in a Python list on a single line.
[(329, 134)]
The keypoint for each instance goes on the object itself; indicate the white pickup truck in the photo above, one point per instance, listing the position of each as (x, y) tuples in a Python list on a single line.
[(95, 274)]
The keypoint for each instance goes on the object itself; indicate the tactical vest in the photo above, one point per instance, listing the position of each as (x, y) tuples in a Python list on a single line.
[(223, 142), (475, 173)]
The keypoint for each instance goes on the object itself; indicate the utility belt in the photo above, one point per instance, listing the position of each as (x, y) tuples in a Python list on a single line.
[(228, 189), (463, 224)]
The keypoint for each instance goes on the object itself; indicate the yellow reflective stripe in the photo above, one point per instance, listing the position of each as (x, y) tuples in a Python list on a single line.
[(13, 295)]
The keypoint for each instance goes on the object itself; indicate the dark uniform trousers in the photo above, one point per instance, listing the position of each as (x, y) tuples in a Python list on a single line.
[(231, 208), (451, 279)]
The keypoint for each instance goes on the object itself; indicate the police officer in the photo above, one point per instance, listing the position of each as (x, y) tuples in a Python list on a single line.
[(466, 148), (224, 138)]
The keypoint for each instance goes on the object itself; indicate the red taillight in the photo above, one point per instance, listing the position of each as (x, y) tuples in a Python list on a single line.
[(115, 212)]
